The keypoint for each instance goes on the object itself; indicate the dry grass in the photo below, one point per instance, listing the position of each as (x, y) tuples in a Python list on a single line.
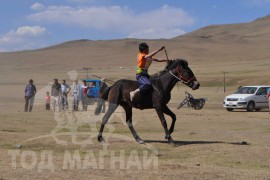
[(208, 142)]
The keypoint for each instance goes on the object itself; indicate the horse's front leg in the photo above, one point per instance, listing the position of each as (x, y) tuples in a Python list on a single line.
[(112, 108), (172, 115), (159, 111)]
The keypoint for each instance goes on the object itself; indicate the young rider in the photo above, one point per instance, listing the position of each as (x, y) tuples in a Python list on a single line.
[(144, 60)]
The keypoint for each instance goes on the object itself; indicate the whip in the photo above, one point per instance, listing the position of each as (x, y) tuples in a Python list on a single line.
[(166, 53)]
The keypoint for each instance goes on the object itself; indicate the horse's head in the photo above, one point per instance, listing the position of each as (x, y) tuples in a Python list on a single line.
[(184, 73)]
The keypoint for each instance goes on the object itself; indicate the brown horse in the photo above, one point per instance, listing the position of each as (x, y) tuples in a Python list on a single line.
[(157, 98)]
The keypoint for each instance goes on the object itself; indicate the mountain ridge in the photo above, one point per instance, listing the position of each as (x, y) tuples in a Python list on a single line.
[(215, 48)]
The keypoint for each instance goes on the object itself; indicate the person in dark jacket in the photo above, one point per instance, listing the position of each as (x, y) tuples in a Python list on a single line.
[(29, 96)]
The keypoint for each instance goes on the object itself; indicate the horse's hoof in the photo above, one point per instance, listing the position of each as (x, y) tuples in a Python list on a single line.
[(171, 141), (168, 137), (100, 139), (140, 141)]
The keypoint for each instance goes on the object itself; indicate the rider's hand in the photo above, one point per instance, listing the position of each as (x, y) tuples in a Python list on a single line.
[(163, 47)]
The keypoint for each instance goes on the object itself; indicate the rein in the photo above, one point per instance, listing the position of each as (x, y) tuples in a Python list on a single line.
[(181, 78)]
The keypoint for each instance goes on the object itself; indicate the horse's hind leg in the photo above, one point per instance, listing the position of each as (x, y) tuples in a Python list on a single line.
[(111, 109), (172, 115), (128, 110)]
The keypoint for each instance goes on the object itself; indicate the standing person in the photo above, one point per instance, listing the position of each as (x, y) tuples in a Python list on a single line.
[(55, 95), (29, 96), (268, 97), (84, 89), (144, 61), (76, 95), (48, 100), (64, 97)]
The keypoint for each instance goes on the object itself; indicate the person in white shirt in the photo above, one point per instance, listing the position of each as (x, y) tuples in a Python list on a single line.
[(76, 95), (56, 93), (84, 90), (64, 97)]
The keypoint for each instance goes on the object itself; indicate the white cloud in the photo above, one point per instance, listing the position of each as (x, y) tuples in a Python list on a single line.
[(38, 7), (156, 34), (25, 37), (162, 22), (29, 31)]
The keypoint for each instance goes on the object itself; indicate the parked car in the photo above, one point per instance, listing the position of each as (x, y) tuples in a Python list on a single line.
[(247, 97)]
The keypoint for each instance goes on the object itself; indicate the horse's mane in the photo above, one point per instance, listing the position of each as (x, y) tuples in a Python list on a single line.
[(170, 66)]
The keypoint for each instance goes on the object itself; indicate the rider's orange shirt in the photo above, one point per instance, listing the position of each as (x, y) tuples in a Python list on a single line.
[(143, 63)]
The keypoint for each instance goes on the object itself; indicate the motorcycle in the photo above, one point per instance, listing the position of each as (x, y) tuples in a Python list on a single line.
[(190, 101)]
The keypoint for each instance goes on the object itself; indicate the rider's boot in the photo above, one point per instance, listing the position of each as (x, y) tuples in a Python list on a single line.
[(133, 93)]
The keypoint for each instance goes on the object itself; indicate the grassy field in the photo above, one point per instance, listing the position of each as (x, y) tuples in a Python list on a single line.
[(210, 143)]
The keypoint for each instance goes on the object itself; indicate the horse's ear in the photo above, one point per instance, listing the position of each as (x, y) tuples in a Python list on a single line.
[(184, 63), (169, 63)]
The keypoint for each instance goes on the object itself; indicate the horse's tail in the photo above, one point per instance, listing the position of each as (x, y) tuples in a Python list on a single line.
[(103, 95), (104, 91)]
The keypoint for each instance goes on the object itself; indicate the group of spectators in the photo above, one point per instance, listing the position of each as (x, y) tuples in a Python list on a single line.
[(58, 97)]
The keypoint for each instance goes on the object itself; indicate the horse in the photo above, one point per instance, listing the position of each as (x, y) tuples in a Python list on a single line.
[(158, 98)]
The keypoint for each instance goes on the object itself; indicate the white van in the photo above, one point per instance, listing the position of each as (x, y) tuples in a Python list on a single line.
[(247, 97)]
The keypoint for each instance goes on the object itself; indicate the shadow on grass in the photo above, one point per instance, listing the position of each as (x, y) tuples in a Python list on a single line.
[(182, 143)]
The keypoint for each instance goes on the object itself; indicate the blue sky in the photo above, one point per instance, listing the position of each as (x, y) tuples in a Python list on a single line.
[(32, 24)]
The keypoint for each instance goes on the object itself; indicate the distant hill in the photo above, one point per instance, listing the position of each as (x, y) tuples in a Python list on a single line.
[(241, 49), (239, 33)]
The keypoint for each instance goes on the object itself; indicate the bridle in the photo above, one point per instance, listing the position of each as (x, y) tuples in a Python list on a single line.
[(181, 78)]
